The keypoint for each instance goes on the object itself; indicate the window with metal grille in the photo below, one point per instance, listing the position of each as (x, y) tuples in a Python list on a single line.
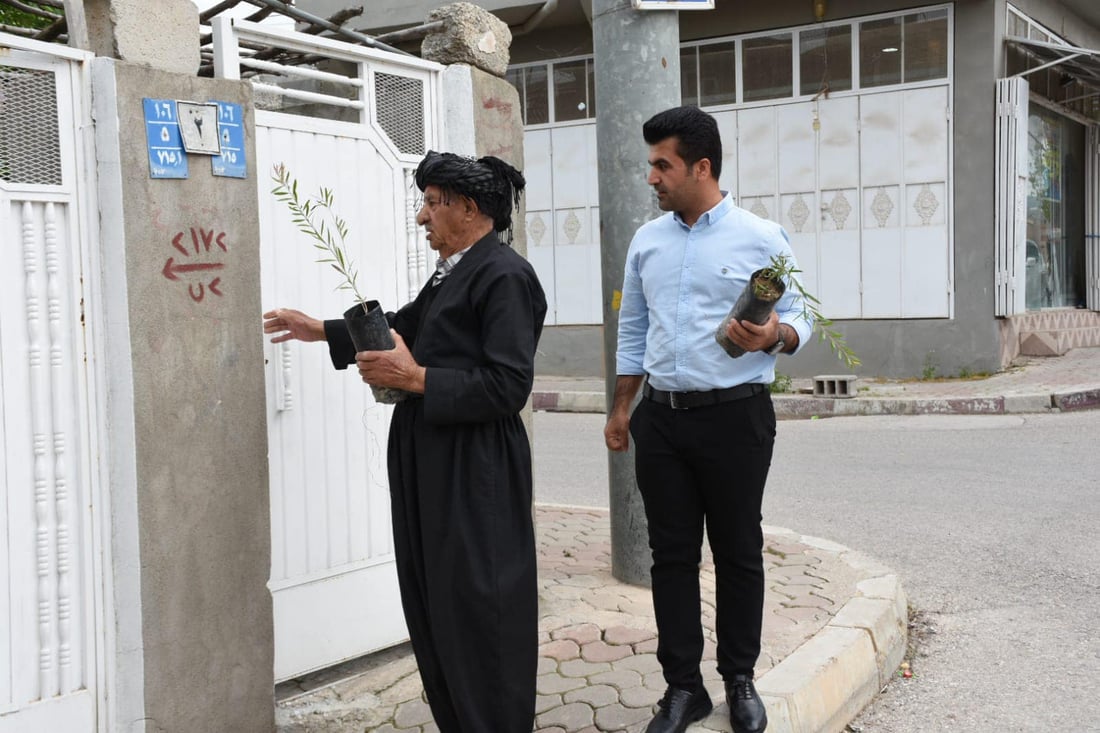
[(30, 146), (399, 111)]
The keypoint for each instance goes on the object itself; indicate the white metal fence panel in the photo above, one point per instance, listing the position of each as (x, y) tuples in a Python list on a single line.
[(1011, 196), (333, 578), (47, 563)]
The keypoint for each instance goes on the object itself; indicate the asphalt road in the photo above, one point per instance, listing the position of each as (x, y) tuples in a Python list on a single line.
[(991, 522)]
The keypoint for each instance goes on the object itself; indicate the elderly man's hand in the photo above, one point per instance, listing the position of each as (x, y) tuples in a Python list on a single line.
[(394, 368), (291, 324)]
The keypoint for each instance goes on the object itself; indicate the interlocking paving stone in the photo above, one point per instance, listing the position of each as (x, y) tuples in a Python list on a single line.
[(625, 635), (581, 581), (594, 695), (547, 665), (571, 716), (640, 663), (560, 650), (800, 615), (620, 679), (580, 633), (582, 668), (414, 712), (548, 684), (617, 716), (406, 688), (545, 702), (599, 651), (640, 697)]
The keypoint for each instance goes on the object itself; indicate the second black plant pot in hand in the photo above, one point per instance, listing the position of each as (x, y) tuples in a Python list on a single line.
[(370, 331), (749, 307)]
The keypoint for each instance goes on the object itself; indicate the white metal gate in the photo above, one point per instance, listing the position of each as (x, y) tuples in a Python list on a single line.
[(48, 602), (333, 579)]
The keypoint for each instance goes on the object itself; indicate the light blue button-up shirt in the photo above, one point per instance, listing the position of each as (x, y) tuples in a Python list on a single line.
[(681, 281)]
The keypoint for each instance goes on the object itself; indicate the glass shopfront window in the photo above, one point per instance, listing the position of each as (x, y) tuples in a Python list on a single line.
[(880, 52), (825, 59), (1055, 246), (903, 49), (689, 75), (767, 70), (718, 74), (925, 46), (571, 91)]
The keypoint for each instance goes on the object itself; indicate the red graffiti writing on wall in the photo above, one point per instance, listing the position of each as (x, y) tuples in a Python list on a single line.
[(195, 273)]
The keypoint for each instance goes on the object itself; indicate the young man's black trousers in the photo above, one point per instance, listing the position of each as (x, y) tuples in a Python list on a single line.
[(706, 464)]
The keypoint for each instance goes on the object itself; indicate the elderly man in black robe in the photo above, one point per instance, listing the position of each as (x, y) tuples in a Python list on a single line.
[(459, 458)]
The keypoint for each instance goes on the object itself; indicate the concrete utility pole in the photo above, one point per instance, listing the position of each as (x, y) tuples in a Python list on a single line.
[(637, 57)]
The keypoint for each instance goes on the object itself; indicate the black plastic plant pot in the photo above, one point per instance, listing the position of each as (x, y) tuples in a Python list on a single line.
[(750, 306), (370, 331), (368, 327)]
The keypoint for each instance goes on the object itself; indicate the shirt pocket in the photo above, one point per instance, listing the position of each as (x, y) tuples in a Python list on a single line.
[(721, 290)]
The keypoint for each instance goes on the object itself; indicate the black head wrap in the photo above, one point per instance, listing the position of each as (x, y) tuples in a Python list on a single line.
[(491, 183)]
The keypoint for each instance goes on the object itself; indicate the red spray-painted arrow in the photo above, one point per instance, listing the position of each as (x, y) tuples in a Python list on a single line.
[(171, 269)]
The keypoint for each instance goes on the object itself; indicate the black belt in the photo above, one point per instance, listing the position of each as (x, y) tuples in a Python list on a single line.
[(688, 400)]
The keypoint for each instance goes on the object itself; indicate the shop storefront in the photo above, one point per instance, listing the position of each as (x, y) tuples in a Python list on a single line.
[(1063, 103), (840, 131)]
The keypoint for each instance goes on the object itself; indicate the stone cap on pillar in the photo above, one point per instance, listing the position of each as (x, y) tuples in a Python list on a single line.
[(470, 35), (162, 34)]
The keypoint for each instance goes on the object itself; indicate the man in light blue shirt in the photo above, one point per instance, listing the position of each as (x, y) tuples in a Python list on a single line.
[(705, 429)]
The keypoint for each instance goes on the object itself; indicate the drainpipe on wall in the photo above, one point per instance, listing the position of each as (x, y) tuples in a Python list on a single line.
[(536, 18)]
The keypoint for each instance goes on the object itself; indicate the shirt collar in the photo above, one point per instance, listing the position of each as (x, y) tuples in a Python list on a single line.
[(712, 215)]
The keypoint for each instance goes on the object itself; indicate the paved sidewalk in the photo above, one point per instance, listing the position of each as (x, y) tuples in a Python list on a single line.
[(835, 621), (1037, 384), (834, 630)]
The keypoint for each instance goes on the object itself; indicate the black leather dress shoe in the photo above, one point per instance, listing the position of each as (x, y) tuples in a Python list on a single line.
[(747, 714), (679, 709)]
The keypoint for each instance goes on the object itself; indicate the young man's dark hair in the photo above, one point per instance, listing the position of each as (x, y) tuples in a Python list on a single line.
[(696, 131)]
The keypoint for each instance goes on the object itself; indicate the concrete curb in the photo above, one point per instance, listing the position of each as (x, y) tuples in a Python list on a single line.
[(826, 682), (804, 407), (566, 401)]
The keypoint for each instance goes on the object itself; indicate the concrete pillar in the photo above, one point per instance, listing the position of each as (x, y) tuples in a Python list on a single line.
[(162, 34), (190, 634), (481, 113), (637, 54)]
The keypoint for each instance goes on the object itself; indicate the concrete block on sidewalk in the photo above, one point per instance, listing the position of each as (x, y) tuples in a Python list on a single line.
[(835, 385)]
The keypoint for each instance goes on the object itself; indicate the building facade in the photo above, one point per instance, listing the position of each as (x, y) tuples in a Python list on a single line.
[(934, 166)]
